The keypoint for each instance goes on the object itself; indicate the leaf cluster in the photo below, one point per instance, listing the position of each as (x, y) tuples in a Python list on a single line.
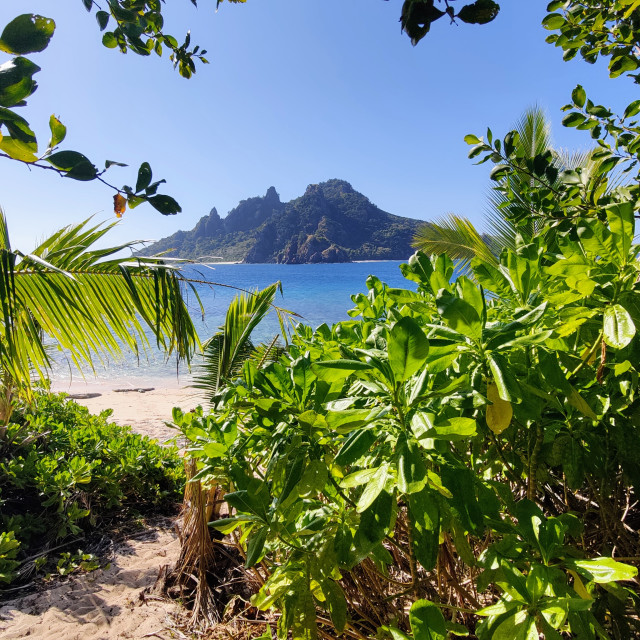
[(462, 428)]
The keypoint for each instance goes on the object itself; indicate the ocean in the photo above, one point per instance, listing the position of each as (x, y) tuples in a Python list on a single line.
[(318, 292)]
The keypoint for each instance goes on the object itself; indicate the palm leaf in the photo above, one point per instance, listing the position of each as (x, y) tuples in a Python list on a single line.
[(227, 350), (458, 238), (87, 301)]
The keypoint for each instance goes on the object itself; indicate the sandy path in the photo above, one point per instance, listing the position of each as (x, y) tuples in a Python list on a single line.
[(107, 604), (104, 604)]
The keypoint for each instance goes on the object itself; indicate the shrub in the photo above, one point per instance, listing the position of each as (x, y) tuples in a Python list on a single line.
[(67, 469)]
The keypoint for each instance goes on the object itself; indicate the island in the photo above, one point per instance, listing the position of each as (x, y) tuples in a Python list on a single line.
[(331, 222)]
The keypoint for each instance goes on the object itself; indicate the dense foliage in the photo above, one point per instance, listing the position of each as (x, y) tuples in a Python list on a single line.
[(475, 453), (463, 460), (64, 471)]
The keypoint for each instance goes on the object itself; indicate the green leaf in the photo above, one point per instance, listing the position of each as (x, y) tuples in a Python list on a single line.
[(214, 449), (553, 21), (460, 482), (460, 315), (408, 348), (632, 109), (58, 132), (355, 446), (144, 177), (16, 82), (18, 149), (412, 472), (427, 621), (227, 525), (573, 119), (103, 19), (77, 166), (618, 327), (109, 40), (579, 96), (603, 570), (503, 378), (28, 33), (424, 519), (335, 370), (373, 489), (336, 603), (166, 205), (255, 546), (479, 12), (471, 139)]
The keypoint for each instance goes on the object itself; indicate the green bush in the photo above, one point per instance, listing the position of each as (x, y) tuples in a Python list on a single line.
[(65, 469)]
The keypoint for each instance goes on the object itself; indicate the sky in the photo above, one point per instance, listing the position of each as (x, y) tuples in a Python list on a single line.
[(296, 92)]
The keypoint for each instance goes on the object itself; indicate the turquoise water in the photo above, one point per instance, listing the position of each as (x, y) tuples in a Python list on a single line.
[(318, 292)]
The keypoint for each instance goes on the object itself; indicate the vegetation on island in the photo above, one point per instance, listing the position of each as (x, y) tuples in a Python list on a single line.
[(331, 222)]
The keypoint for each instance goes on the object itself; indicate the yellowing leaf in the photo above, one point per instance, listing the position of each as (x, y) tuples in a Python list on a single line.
[(499, 412), (119, 204), (579, 587)]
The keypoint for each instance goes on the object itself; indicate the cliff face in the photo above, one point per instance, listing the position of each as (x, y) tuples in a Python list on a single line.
[(331, 222)]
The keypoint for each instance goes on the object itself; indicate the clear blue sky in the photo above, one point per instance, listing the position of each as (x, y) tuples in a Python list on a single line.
[(298, 91)]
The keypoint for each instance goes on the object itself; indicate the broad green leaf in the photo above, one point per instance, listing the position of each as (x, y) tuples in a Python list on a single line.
[(336, 603), (503, 378), (358, 478), (28, 33), (166, 205), (603, 570), (520, 626), (17, 149), (579, 96), (460, 316), (214, 449), (618, 327), (424, 519), (335, 370), (622, 224), (16, 81), (412, 471), (460, 482), (373, 489), (76, 165), (255, 546), (407, 347), (144, 177), (313, 479), (427, 621), (350, 419), (227, 525), (454, 429), (355, 446), (375, 522)]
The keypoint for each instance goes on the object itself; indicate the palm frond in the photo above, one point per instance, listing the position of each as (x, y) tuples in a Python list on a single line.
[(534, 131), (457, 237), (227, 350), (89, 306)]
